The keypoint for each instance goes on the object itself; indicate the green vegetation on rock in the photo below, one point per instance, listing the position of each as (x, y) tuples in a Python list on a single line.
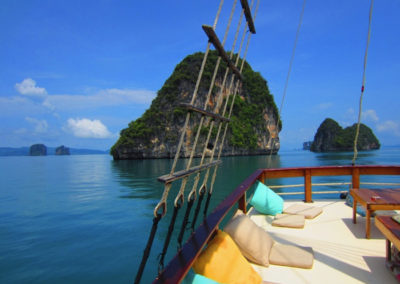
[(331, 136), (156, 133)]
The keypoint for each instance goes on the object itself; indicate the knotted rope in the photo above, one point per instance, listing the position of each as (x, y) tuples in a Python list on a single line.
[(362, 84), (272, 144), (162, 204)]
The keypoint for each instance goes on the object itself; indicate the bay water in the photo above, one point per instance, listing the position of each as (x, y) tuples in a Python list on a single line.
[(86, 218)]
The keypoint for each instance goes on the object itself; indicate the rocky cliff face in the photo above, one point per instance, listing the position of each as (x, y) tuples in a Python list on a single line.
[(331, 136), (155, 135)]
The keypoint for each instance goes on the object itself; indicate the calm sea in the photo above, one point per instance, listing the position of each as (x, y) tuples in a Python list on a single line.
[(86, 219)]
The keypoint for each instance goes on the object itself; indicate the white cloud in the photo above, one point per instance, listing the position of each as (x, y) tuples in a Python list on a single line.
[(40, 125), (103, 98), (350, 112), (128, 95), (324, 106), (86, 128), (28, 87), (389, 126), (21, 131), (370, 115), (348, 117)]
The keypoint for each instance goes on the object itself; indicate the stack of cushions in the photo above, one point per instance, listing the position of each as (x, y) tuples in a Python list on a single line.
[(266, 201), (223, 262), (309, 212)]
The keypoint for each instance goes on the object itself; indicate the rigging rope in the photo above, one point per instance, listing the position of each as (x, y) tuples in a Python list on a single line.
[(168, 238), (192, 193), (363, 84), (184, 181), (210, 191), (203, 188), (199, 201), (146, 252), (162, 203), (185, 222), (287, 79), (195, 92)]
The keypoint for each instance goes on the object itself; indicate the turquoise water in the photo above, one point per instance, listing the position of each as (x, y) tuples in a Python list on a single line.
[(86, 219)]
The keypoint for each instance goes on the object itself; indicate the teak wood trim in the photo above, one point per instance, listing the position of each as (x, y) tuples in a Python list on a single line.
[(212, 36), (204, 112), (247, 14), (184, 173), (387, 226), (364, 197)]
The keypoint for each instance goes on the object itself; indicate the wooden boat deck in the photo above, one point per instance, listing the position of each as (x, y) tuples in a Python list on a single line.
[(341, 251)]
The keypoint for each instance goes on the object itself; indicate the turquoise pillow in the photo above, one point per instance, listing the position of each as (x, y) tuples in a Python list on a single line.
[(193, 278), (266, 201), (200, 279), (349, 201)]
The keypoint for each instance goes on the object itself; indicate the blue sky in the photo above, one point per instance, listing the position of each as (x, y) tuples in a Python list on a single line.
[(77, 72)]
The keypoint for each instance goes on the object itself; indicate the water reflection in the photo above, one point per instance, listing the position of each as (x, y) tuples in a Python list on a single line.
[(139, 177), (345, 158), (87, 177)]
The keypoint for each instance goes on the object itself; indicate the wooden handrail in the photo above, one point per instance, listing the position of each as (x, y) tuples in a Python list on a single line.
[(180, 264), (307, 172)]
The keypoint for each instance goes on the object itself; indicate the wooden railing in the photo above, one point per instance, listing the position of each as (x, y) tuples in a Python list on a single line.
[(177, 268), (354, 171)]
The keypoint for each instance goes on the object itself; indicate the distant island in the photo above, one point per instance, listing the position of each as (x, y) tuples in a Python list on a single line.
[(38, 150), (331, 137), (307, 145), (62, 150), (252, 129), (43, 150)]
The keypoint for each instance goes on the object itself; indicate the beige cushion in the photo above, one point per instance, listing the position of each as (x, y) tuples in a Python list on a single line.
[(254, 243), (289, 221), (223, 262), (309, 212), (294, 256)]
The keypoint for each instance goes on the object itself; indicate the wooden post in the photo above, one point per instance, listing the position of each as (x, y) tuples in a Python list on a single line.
[(388, 250), (354, 209), (355, 180), (367, 222), (307, 186), (242, 203), (262, 177)]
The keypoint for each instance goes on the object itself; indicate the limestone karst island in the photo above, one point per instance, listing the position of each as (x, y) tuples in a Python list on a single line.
[(252, 130), (331, 137)]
